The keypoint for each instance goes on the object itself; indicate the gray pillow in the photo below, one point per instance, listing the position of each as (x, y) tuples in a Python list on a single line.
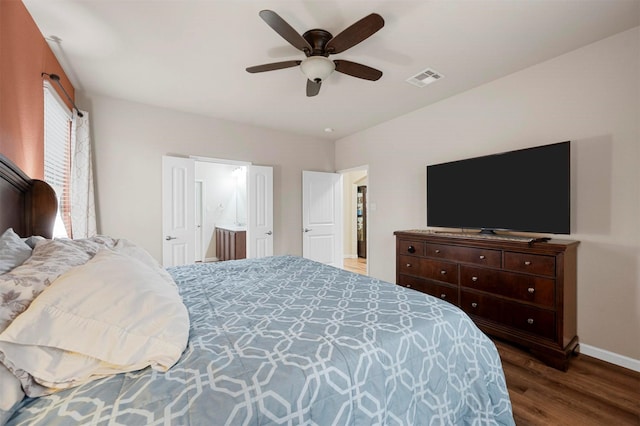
[(33, 240), (13, 251)]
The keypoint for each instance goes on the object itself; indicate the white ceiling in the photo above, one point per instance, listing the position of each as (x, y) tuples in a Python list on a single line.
[(191, 55)]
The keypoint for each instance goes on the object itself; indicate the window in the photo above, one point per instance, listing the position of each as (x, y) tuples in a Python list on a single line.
[(57, 155)]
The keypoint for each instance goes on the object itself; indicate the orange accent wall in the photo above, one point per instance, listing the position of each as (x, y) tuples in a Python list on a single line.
[(24, 55)]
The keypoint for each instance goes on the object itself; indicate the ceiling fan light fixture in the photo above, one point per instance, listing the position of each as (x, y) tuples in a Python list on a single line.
[(317, 44), (317, 68)]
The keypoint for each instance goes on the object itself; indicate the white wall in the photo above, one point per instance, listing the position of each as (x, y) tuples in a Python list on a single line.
[(130, 139), (590, 96)]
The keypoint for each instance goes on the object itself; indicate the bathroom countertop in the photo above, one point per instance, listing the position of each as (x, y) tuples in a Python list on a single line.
[(235, 228)]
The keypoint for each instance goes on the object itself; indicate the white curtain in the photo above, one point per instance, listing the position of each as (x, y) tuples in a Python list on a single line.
[(83, 210)]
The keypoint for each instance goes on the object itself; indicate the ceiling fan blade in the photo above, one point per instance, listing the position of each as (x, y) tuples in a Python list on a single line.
[(357, 70), (285, 30), (273, 66), (313, 88), (356, 33)]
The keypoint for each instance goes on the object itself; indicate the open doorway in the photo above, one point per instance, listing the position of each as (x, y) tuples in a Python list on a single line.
[(221, 195), (355, 219), (223, 208)]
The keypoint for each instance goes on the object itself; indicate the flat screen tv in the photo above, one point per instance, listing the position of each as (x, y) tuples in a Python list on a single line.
[(527, 190)]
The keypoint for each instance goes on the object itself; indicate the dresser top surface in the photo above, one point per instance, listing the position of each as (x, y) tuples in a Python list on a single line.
[(468, 238)]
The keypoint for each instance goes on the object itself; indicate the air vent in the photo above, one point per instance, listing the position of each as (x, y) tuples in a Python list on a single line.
[(425, 77)]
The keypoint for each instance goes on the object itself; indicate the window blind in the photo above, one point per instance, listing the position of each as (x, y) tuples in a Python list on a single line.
[(57, 155)]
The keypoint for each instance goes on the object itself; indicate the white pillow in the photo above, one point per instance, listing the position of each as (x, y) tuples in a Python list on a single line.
[(19, 287), (130, 249), (13, 251), (49, 260), (113, 314), (11, 393)]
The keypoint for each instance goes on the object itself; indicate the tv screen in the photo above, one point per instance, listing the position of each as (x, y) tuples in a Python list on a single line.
[(525, 190)]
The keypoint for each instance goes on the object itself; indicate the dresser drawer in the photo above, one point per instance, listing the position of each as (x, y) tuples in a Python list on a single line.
[(531, 263), (450, 294), (529, 288), (429, 268), (527, 318), (413, 248), (485, 257)]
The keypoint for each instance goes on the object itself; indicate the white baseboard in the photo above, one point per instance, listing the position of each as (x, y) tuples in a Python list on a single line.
[(613, 358), (210, 259), (350, 256)]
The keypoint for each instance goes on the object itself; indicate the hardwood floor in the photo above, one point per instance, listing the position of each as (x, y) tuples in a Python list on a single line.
[(590, 392), (358, 265)]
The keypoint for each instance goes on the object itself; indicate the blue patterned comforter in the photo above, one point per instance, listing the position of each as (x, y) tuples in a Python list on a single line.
[(284, 340)]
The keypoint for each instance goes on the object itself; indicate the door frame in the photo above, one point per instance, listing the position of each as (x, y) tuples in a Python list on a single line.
[(365, 168)]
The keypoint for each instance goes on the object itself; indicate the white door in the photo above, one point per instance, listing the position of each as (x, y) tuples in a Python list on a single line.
[(260, 212), (199, 252), (178, 211), (322, 217)]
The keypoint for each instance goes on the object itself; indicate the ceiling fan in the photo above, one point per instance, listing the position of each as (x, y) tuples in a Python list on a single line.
[(317, 45)]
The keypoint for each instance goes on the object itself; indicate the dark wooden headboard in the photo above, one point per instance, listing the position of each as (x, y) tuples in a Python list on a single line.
[(27, 205)]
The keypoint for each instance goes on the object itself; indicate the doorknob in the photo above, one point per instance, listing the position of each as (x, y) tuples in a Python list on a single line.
[(169, 238), (307, 229), (269, 233)]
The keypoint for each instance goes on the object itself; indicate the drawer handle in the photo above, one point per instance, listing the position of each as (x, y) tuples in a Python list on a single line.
[(408, 265), (443, 272), (437, 250), (482, 257), (530, 321), (443, 296), (411, 249), (527, 262), (531, 290), (474, 279), (474, 305)]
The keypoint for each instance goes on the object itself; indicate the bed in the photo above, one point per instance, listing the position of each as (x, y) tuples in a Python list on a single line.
[(277, 340)]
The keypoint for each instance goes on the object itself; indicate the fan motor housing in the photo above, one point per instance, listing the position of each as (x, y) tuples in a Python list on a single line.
[(318, 39)]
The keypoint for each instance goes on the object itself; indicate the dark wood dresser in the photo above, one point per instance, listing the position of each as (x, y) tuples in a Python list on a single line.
[(515, 290)]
